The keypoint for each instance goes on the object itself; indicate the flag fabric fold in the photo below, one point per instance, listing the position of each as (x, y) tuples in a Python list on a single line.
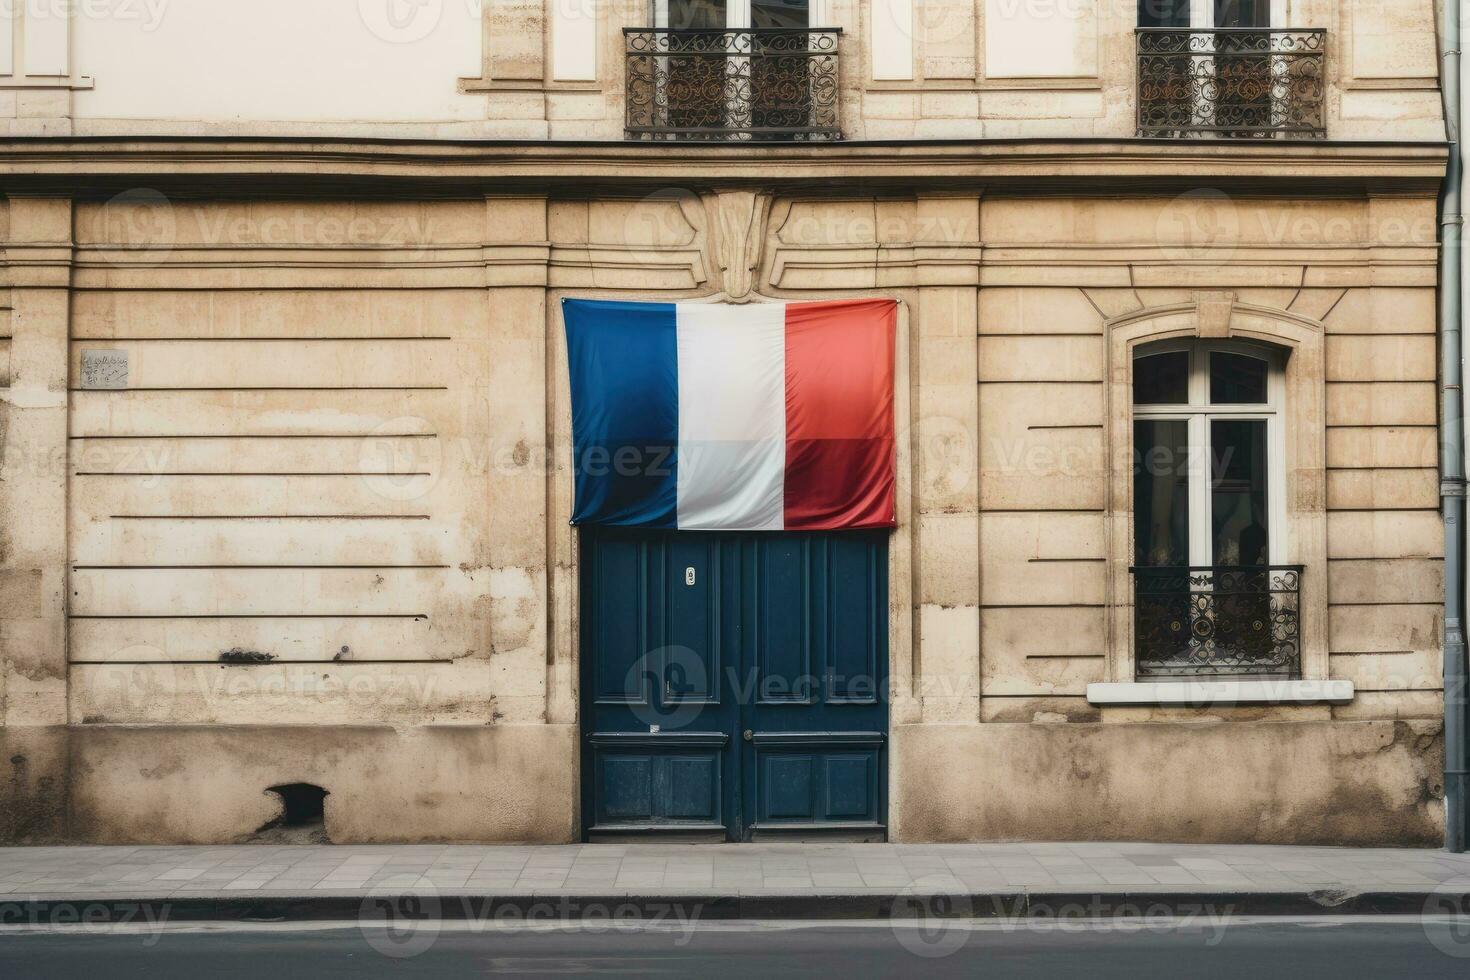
[(710, 417)]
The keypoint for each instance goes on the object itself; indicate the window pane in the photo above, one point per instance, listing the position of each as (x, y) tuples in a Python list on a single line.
[(768, 14), (1238, 491), (1161, 379), (1161, 492), (1163, 13), (1242, 13), (696, 14), (1237, 379)]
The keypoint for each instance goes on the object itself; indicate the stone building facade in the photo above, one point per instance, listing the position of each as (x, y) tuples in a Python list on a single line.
[(283, 400)]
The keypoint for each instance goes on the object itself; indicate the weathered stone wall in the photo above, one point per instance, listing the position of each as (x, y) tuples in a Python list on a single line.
[(537, 69), (321, 534)]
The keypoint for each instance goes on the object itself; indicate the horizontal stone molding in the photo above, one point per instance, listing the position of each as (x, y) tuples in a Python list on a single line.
[(62, 162)]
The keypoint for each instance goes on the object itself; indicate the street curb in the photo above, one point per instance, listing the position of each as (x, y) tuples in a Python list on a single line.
[(398, 907)]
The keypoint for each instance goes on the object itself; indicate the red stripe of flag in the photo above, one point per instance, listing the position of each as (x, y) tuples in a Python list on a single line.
[(839, 415)]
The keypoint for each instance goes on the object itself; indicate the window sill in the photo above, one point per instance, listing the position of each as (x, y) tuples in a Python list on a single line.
[(1206, 693)]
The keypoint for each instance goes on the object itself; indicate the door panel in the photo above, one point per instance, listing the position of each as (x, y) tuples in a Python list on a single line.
[(782, 636), (734, 682)]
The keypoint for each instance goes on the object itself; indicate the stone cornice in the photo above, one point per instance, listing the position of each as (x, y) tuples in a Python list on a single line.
[(96, 164)]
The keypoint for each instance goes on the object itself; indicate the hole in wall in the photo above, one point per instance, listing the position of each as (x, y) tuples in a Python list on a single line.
[(302, 819)]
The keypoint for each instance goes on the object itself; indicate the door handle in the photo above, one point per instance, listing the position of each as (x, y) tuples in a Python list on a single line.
[(749, 735)]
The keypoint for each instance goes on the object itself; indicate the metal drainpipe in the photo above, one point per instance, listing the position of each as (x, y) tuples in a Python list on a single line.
[(1452, 442)]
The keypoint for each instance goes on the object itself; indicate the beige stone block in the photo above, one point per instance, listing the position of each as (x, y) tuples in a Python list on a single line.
[(1269, 782), (825, 224), (1211, 274), (1027, 104), (1384, 310), (943, 444), (43, 103), (1383, 446), (1392, 705), (657, 220), (948, 315), (1391, 672), (1383, 489), (356, 363), (902, 107), (1272, 299), (301, 640), (1406, 581), (1114, 303), (1041, 650), (949, 645), (208, 785), (1387, 404), (1041, 358), (282, 693), (40, 220), (1006, 581), (1043, 535), (1390, 40), (1369, 358), (515, 219), (947, 552), (1387, 629), (1038, 710), (567, 222), (1383, 534), (944, 217), (1314, 304), (1042, 447), (947, 360), (949, 105), (1012, 310)]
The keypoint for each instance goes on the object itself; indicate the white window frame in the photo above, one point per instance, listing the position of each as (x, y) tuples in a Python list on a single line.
[(1202, 13), (1200, 413), (737, 14)]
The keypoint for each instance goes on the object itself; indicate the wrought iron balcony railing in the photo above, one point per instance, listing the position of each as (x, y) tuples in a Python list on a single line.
[(1251, 83), (732, 84), (1221, 621)]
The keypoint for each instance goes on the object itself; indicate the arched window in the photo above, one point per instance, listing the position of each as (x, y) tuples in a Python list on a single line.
[(1209, 486), (1212, 596)]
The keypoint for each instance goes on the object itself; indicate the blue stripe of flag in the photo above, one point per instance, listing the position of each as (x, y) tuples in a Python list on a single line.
[(624, 367)]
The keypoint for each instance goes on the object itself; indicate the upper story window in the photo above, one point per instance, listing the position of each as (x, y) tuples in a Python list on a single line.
[(1212, 595), (733, 70), (1219, 67)]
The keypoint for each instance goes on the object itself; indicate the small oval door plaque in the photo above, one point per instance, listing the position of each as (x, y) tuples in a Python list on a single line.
[(689, 575)]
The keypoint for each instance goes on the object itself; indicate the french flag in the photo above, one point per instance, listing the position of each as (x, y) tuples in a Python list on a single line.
[(709, 417)]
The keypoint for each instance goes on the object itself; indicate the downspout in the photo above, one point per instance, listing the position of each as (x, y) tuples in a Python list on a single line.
[(1452, 441)]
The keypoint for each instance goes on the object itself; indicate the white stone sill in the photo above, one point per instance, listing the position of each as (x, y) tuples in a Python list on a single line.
[(1221, 693)]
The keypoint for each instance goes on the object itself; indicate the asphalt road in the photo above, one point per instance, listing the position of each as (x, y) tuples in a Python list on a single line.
[(1298, 949)]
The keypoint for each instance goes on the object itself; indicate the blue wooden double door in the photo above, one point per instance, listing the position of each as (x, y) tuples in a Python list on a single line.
[(734, 685)]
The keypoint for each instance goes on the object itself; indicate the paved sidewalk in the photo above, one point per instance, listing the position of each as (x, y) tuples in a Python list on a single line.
[(801, 880)]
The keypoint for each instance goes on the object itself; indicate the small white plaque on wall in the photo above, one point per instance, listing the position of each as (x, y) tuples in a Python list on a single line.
[(104, 369)]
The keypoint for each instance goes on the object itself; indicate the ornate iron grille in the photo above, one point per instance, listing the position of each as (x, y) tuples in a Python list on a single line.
[(1218, 621), (732, 85), (1250, 83)]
